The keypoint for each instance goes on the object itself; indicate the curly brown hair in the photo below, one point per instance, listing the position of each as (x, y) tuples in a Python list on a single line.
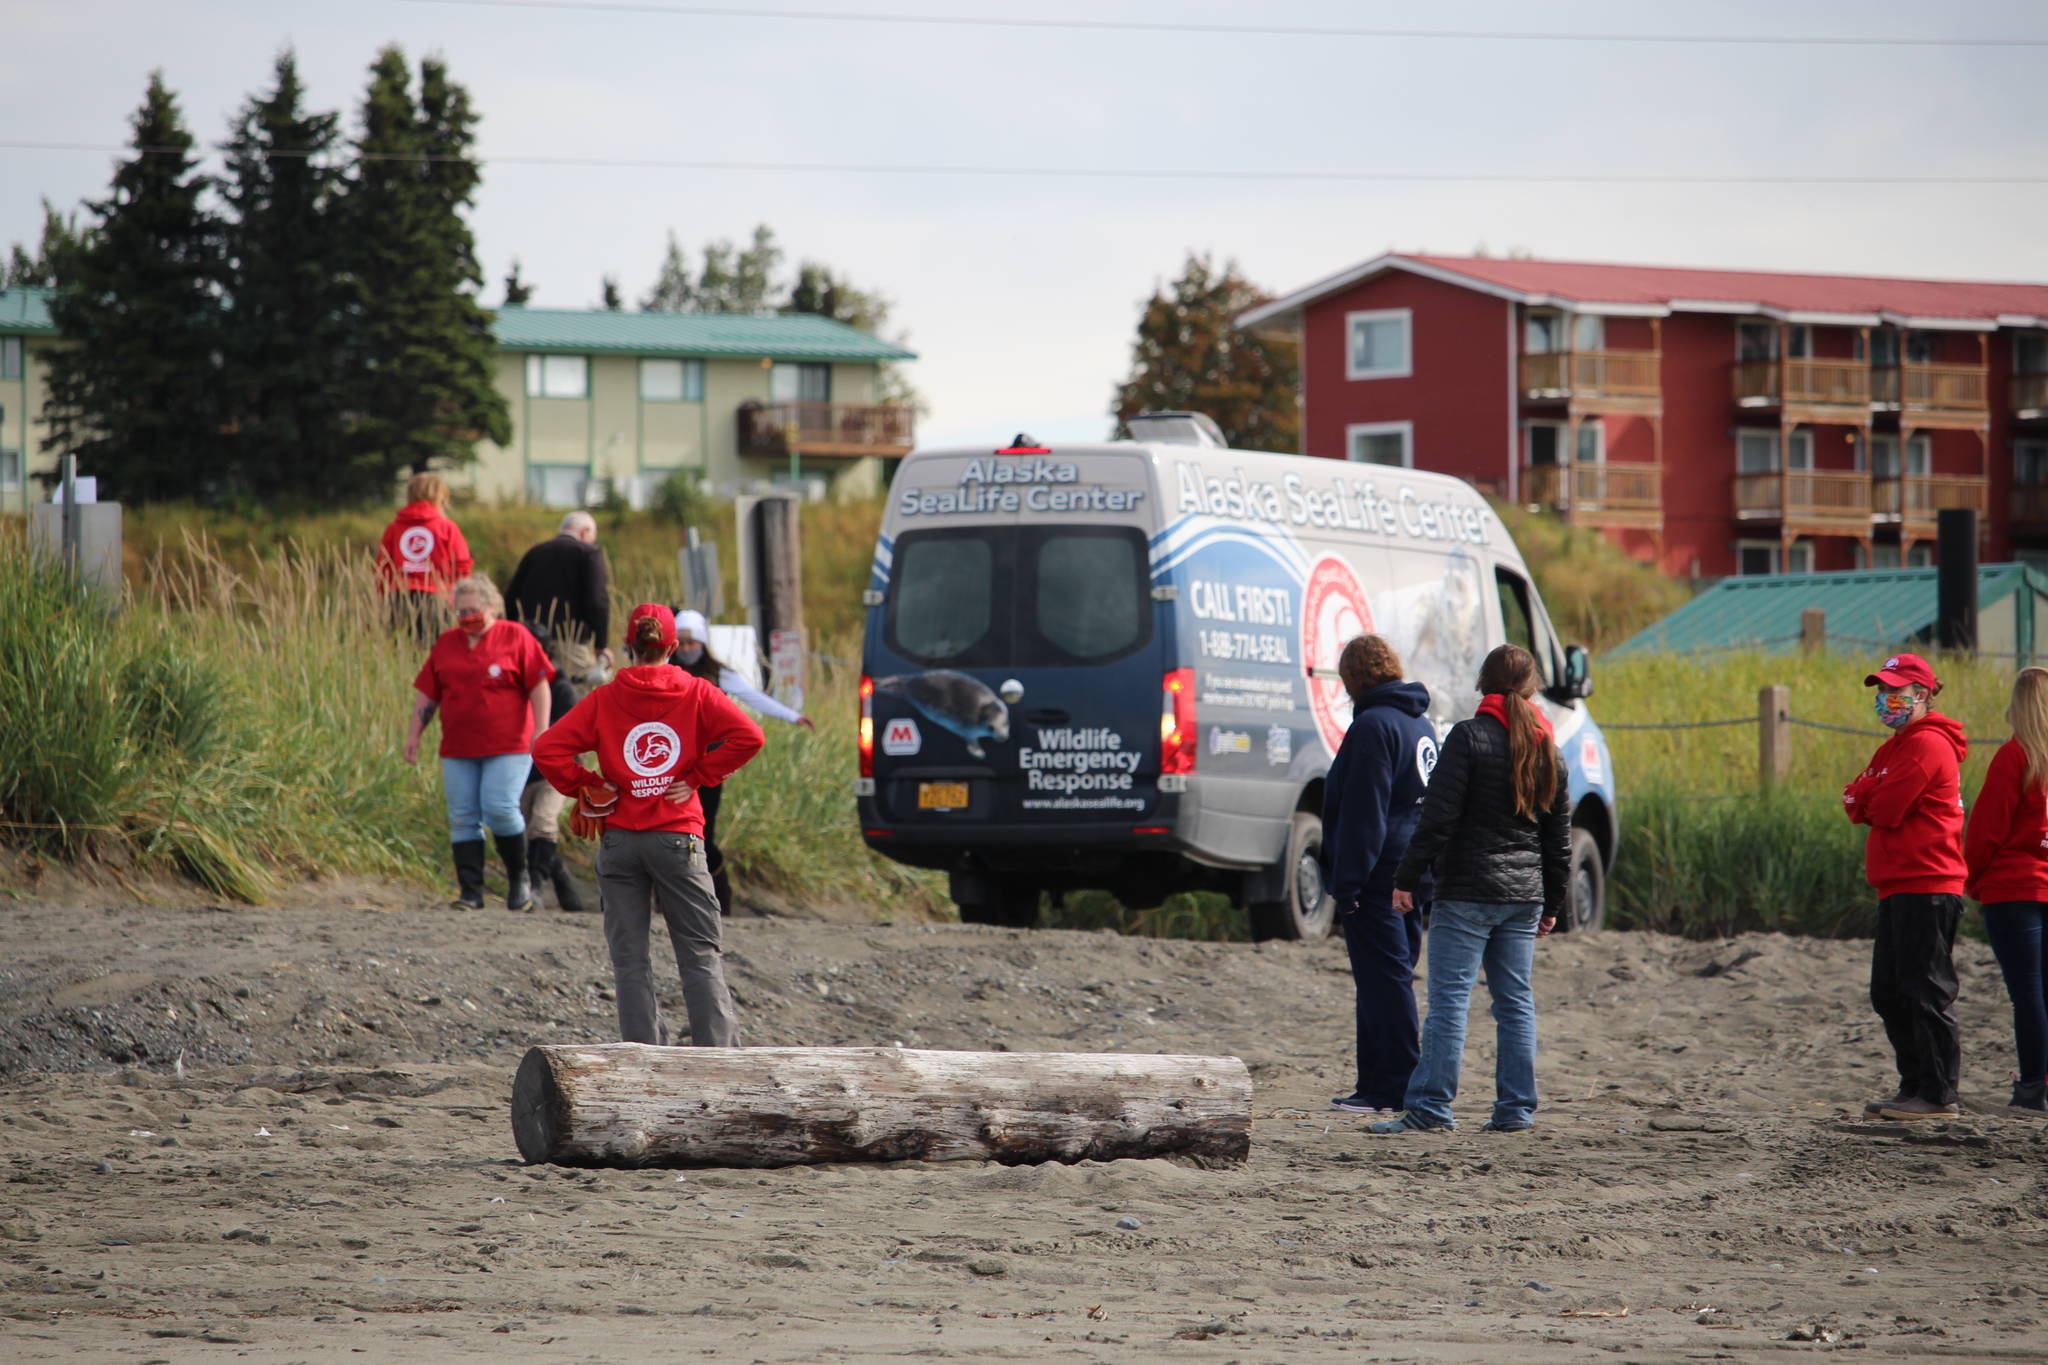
[(1368, 661)]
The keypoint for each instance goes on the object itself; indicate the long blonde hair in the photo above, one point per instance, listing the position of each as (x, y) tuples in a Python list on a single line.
[(2027, 713)]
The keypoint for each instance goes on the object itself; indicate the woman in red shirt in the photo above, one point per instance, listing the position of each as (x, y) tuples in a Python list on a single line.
[(421, 554), (488, 679), (2006, 847), (659, 735)]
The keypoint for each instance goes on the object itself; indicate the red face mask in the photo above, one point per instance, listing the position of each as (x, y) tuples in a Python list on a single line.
[(472, 622)]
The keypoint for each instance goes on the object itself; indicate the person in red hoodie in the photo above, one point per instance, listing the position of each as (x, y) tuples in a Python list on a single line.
[(421, 558), (1911, 797), (2006, 848), (659, 735)]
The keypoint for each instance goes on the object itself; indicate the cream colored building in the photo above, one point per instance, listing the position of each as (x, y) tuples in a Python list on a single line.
[(603, 402)]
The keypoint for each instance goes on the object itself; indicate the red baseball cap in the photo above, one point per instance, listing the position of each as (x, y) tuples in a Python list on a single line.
[(661, 615), (1901, 669)]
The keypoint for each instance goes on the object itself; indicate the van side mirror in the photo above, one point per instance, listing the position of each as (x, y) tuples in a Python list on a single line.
[(1578, 673)]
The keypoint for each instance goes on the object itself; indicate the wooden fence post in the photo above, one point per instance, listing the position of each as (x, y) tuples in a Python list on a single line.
[(1813, 630), (1774, 734)]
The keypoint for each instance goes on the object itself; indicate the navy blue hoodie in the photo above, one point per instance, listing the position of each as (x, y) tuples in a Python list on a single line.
[(1372, 797)]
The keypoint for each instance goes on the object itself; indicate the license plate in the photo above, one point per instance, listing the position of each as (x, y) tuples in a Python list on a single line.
[(942, 796)]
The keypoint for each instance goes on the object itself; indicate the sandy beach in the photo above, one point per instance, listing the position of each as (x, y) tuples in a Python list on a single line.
[(281, 1134)]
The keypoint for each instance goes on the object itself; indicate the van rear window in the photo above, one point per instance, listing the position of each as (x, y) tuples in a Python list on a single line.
[(1019, 596)]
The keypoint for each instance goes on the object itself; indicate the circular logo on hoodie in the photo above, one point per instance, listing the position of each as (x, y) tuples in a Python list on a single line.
[(1334, 611), (1425, 757), (416, 543), (651, 749)]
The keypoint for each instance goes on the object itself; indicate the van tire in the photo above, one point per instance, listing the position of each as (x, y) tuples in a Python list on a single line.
[(1011, 907), (1302, 877), (1586, 884)]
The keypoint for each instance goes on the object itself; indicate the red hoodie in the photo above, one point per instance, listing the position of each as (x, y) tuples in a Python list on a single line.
[(651, 724), (2007, 843), (1911, 796), (425, 549)]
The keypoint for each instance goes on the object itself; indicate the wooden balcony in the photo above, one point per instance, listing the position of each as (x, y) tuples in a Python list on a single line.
[(1807, 390), (1598, 494), (1818, 501), (2028, 509), (842, 429), (1933, 395), (2030, 397), (1597, 381), (1912, 501)]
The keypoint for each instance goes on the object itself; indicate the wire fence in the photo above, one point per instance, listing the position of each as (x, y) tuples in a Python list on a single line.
[(1858, 731)]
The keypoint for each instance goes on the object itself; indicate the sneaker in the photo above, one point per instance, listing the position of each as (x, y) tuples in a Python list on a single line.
[(1408, 1122), (1357, 1104), (2029, 1095), (1877, 1107), (1508, 1128), (1917, 1111)]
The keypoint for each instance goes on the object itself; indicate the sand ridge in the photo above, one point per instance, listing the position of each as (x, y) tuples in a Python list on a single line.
[(281, 1134)]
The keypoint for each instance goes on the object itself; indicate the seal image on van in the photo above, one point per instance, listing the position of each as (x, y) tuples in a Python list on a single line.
[(961, 704), (1113, 665)]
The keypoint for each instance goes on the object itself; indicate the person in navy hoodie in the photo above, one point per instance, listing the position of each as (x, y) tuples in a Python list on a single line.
[(1372, 799)]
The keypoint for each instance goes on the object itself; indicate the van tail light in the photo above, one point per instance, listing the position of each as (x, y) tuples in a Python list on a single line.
[(867, 726), (1177, 722)]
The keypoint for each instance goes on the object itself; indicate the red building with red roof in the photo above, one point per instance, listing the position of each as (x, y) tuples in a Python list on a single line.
[(1709, 421)]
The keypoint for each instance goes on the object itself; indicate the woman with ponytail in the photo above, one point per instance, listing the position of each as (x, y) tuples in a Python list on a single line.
[(2006, 847), (660, 736), (1496, 828)]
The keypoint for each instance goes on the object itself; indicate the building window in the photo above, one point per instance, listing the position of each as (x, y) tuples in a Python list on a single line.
[(1754, 558), (1756, 450), (1921, 556), (1884, 457), (558, 376), (1589, 332), (1542, 332), (671, 381), (2030, 353), (1378, 344), (1389, 443), (2030, 463), (1756, 340), (10, 357), (557, 485), (1544, 439), (1922, 348), (10, 470), (1592, 444), (790, 383)]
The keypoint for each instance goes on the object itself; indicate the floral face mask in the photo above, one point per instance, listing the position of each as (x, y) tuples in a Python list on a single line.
[(1894, 709)]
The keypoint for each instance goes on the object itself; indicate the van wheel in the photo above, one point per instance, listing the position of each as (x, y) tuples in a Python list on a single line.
[(1309, 910), (1587, 887), (1013, 907)]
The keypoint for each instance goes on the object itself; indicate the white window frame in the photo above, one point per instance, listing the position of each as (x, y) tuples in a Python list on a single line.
[(1798, 448), (1561, 341), (537, 378), (1587, 322), (1777, 456), (691, 389), (1799, 557), (20, 472), (1557, 429), (1920, 556), (1404, 316), (1599, 430), (1405, 430), (1768, 545)]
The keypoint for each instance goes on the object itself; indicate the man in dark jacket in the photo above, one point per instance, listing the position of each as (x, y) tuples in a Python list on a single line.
[(565, 585), (1372, 799)]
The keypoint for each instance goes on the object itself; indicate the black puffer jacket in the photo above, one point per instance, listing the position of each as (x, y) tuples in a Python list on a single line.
[(1481, 850)]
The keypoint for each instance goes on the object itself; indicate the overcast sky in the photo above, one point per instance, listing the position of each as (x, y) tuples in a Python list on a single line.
[(1021, 294)]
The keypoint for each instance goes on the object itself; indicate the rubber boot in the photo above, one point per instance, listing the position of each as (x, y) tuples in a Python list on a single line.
[(567, 898), (512, 852), (721, 885), (469, 874), (540, 863)]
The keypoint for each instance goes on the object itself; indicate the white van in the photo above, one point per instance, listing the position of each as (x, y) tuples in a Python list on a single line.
[(1114, 665)]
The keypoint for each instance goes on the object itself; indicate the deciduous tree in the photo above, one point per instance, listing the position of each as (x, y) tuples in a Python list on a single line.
[(1190, 355)]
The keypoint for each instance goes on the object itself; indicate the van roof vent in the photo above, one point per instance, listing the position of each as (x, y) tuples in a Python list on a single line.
[(1177, 429)]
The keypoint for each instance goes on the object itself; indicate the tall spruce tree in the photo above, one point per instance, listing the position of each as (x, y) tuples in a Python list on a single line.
[(423, 390), (1190, 355), (136, 393), (674, 291), (517, 290), (33, 269), (285, 349)]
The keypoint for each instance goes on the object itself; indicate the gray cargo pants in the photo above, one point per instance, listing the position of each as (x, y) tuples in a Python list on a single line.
[(636, 866)]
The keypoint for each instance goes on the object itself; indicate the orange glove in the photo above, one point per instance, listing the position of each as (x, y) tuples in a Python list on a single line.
[(594, 802)]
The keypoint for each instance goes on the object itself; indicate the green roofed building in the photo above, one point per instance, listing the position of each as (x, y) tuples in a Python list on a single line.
[(602, 402), (1866, 609)]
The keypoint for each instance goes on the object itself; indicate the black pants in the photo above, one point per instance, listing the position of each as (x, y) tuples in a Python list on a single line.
[(1383, 945), (714, 857), (1913, 990)]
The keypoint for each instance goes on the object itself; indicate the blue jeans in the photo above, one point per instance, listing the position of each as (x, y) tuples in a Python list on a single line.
[(2019, 938), (484, 792), (1463, 936)]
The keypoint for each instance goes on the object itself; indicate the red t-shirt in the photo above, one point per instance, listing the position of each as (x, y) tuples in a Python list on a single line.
[(482, 691), (423, 551), (2006, 844)]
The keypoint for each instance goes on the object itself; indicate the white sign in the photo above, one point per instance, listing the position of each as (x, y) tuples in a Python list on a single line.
[(901, 738)]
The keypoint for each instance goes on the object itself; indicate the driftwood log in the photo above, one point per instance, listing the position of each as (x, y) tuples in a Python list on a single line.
[(630, 1104)]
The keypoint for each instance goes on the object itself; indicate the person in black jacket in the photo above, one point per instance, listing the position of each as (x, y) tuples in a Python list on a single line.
[(1496, 826), (541, 804), (1372, 799), (565, 585)]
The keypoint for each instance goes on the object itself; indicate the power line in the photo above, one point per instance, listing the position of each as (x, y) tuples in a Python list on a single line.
[(1249, 30), (1093, 172)]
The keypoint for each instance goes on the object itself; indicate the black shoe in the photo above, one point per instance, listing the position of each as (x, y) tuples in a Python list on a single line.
[(1358, 1104), (2029, 1095), (512, 852), (469, 874), (567, 898)]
